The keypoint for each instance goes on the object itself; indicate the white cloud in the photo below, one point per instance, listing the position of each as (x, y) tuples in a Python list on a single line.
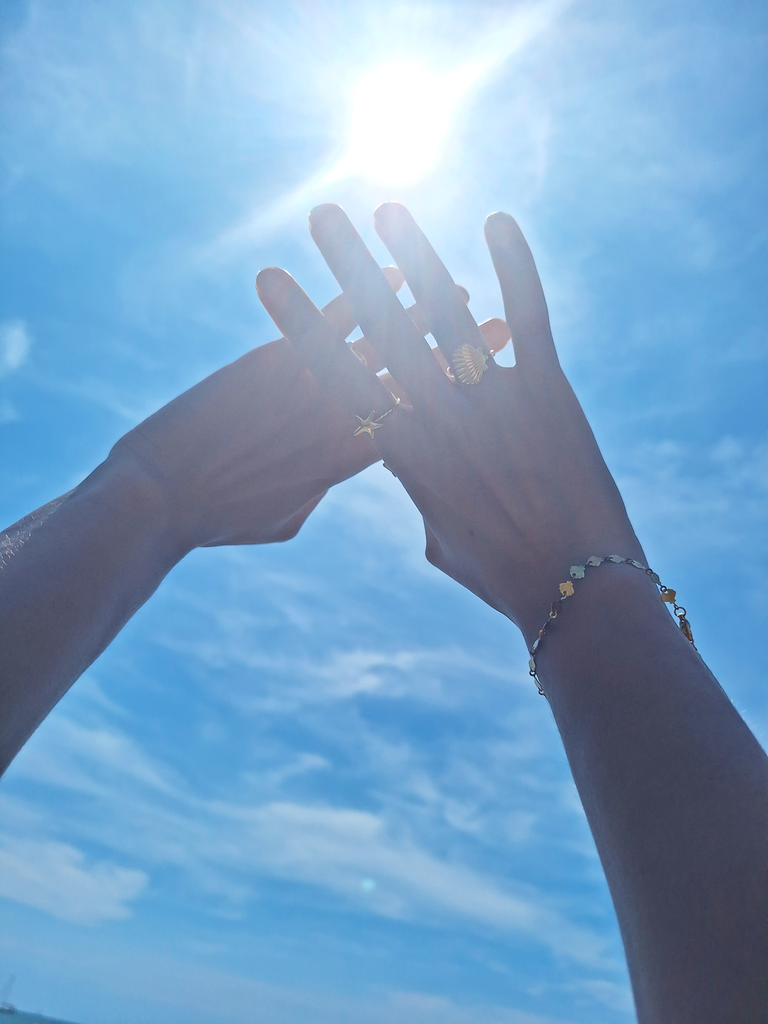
[(288, 681), (225, 845), (116, 397), (712, 498), (15, 344), (375, 504), (55, 877), (609, 993), (337, 847), (90, 759)]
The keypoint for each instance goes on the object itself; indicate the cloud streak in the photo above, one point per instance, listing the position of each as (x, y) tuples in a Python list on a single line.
[(15, 343), (55, 877), (142, 810)]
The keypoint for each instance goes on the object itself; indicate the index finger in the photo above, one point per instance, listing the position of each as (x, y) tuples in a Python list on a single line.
[(320, 347), (339, 313)]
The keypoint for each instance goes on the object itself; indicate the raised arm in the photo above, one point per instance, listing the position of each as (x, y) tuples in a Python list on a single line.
[(243, 457), (514, 492)]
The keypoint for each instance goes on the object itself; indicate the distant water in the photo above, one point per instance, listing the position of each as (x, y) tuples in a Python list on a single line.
[(19, 1017)]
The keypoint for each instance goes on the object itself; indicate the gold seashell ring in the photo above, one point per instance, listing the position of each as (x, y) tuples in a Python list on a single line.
[(469, 363)]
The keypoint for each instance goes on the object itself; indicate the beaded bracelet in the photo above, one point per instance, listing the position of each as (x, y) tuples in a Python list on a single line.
[(567, 590)]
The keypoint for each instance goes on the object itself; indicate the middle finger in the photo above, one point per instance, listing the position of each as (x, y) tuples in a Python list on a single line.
[(432, 286)]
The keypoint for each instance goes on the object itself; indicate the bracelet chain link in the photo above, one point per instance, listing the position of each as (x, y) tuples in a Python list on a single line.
[(567, 589)]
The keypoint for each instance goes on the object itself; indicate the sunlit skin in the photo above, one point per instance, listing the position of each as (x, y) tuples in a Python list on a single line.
[(513, 490)]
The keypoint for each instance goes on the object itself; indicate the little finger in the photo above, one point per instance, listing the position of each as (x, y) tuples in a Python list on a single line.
[(525, 307)]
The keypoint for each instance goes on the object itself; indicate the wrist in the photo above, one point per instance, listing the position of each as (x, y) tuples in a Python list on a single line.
[(613, 607), (131, 496), (528, 602)]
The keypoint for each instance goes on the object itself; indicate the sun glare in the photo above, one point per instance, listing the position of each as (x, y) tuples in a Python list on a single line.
[(400, 116)]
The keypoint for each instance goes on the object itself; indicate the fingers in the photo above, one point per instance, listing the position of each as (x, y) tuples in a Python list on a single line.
[(402, 397), (373, 359), (524, 304), (433, 288), (339, 315), (382, 318), (338, 312), (375, 362), (364, 350), (318, 345)]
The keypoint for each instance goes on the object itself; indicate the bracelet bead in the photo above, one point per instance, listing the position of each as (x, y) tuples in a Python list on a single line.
[(567, 589)]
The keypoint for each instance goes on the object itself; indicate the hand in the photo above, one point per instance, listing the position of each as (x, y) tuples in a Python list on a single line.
[(245, 455), (506, 472)]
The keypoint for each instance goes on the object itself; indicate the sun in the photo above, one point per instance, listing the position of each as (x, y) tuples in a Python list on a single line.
[(399, 118)]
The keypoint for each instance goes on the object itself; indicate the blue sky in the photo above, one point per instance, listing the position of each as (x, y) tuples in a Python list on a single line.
[(312, 782)]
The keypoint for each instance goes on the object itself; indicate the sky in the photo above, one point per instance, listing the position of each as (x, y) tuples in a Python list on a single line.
[(312, 782)]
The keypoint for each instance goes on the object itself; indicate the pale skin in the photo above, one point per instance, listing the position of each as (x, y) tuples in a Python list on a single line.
[(513, 490)]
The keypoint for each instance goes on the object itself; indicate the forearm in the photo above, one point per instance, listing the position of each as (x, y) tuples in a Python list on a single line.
[(673, 783), (675, 788), (69, 583)]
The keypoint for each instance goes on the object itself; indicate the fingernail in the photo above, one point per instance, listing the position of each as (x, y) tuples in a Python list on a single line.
[(395, 277), (499, 222), (317, 212), (389, 214), (271, 276)]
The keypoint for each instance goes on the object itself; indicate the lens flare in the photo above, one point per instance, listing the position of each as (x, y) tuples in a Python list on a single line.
[(400, 116)]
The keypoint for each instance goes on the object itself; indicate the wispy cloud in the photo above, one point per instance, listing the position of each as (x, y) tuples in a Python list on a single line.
[(15, 343), (116, 397), (610, 993), (55, 877), (287, 681), (352, 853), (142, 810), (712, 497), (479, 53)]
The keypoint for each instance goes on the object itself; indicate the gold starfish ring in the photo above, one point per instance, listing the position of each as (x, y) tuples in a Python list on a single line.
[(367, 425), (371, 423)]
